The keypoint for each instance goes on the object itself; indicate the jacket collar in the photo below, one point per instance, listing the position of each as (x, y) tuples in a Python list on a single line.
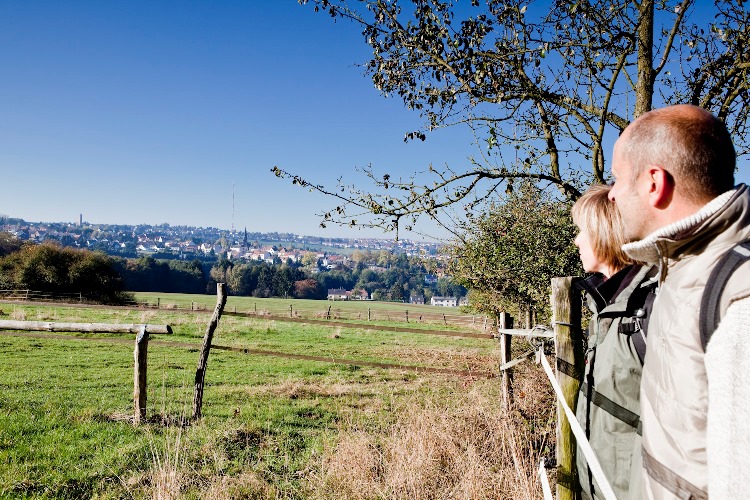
[(604, 292), (670, 239)]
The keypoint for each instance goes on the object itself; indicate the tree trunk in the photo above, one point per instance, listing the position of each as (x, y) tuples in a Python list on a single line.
[(644, 87)]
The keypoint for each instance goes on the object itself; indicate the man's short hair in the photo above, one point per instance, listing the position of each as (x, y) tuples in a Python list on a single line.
[(690, 143), (599, 218)]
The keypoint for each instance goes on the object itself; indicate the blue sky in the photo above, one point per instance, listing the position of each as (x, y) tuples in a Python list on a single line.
[(153, 112)]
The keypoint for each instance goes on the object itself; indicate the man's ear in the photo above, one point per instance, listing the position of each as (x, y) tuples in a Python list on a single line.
[(661, 187)]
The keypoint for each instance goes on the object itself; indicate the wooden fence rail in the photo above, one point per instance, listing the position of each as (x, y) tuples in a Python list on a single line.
[(50, 326), (140, 352)]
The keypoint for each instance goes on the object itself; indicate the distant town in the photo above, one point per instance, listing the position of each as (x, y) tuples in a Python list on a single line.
[(187, 242), (255, 263)]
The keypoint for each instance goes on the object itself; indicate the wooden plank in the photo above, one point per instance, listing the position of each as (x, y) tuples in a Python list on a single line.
[(50, 326)]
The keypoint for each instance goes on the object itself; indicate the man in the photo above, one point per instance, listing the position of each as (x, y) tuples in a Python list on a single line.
[(674, 178)]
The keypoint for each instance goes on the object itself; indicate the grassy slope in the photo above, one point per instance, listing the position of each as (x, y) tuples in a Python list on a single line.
[(271, 425)]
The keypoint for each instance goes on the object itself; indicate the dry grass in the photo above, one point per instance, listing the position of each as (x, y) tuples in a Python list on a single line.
[(168, 467), (147, 316), (457, 443), (459, 358), (247, 485), (18, 314), (463, 446)]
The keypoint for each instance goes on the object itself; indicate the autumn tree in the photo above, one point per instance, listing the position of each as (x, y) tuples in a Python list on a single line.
[(9, 243), (308, 288), (508, 254), (545, 90), (51, 269)]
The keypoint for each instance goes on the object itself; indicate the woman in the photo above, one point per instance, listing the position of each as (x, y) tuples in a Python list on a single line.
[(608, 402)]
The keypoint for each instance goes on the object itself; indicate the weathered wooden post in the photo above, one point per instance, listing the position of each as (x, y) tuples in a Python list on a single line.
[(505, 322), (528, 318), (140, 355), (200, 373), (368, 314), (328, 314), (407, 315), (291, 314), (566, 318)]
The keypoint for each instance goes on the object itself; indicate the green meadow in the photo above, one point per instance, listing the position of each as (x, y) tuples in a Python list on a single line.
[(272, 426), (354, 310)]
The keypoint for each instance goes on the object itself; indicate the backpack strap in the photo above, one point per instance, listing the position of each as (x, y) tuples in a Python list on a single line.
[(638, 328), (710, 313), (639, 309)]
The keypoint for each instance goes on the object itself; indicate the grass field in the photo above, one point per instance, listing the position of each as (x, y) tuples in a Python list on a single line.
[(414, 314), (272, 427)]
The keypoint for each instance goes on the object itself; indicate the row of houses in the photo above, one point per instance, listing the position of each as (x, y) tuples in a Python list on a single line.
[(359, 294), (341, 294)]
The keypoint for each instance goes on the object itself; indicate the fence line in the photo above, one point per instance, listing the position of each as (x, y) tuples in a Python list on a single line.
[(583, 444), (327, 311), (568, 339), (32, 295)]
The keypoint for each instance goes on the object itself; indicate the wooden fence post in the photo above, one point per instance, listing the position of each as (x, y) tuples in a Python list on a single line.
[(505, 322), (200, 373), (368, 314), (140, 355), (566, 318)]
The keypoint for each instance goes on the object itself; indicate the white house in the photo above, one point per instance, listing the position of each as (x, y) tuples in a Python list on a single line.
[(444, 301), (337, 294)]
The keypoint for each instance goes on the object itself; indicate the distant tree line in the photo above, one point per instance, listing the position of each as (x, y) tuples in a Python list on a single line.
[(51, 268)]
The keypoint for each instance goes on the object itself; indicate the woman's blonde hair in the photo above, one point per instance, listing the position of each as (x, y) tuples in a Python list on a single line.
[(598, 217)]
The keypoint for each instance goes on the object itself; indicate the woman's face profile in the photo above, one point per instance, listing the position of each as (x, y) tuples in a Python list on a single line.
[(589, 260)]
